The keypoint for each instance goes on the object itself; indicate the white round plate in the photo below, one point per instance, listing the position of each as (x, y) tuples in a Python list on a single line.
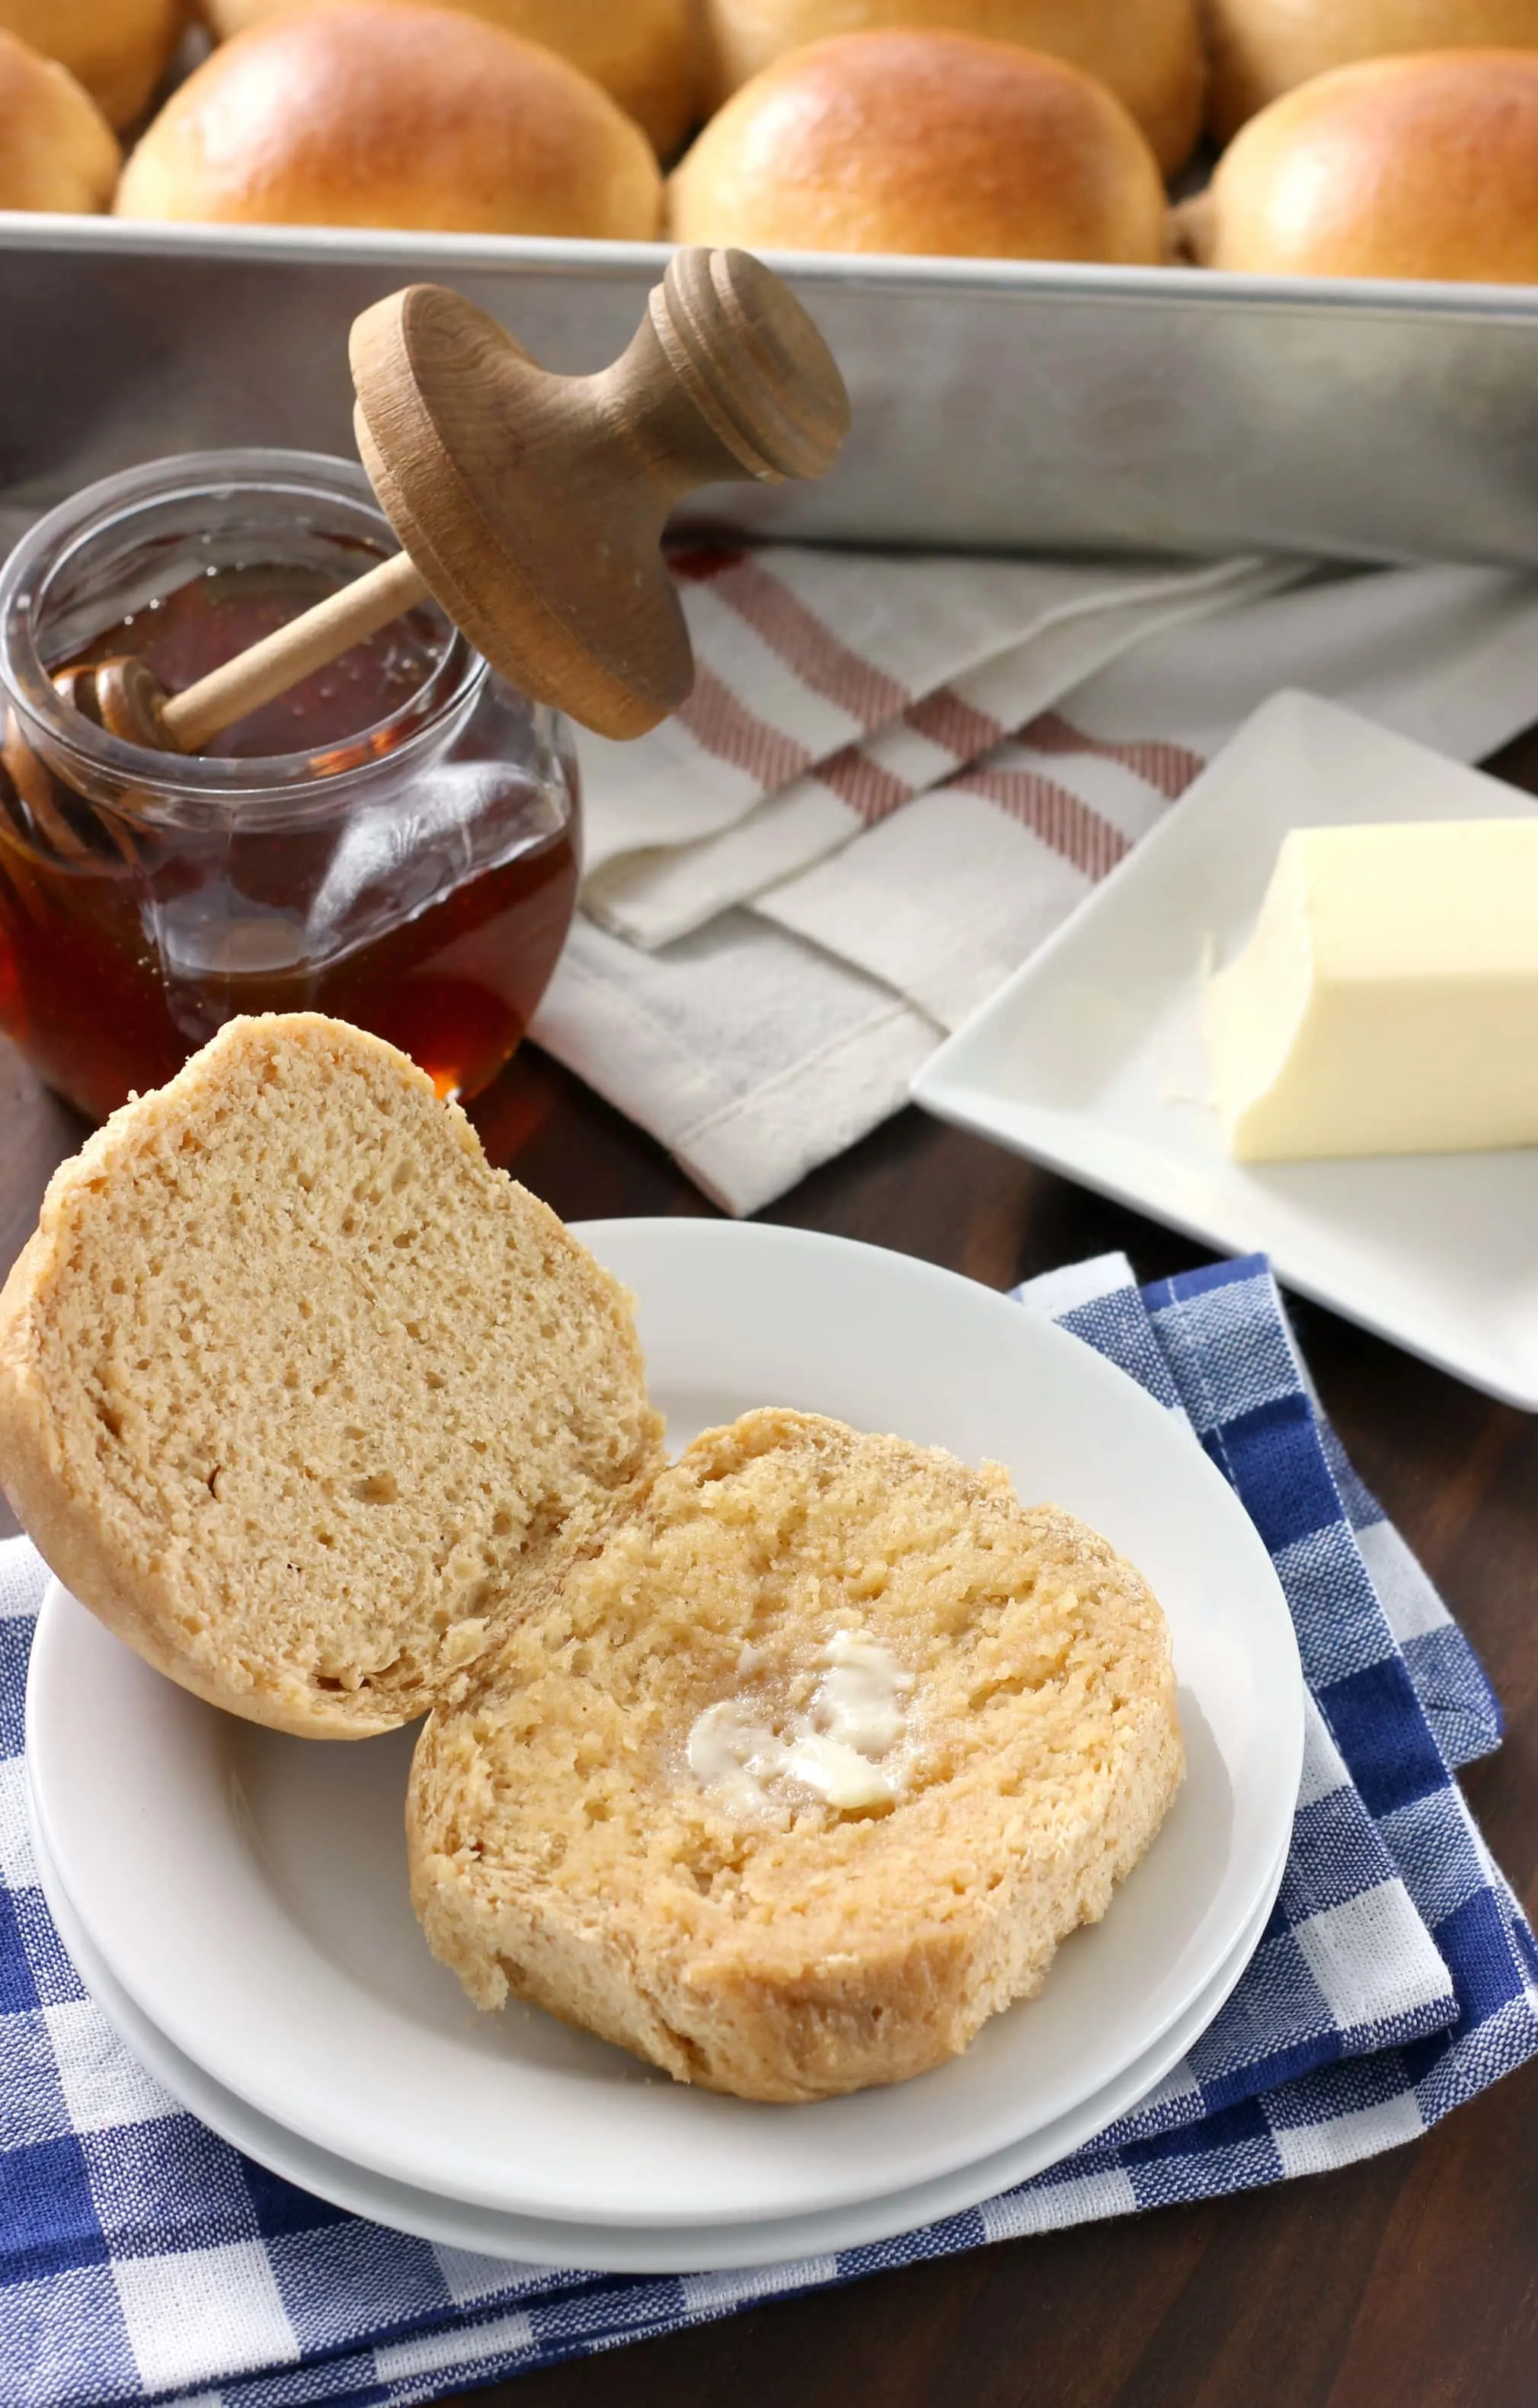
[(621, 2249), (247, 1890)]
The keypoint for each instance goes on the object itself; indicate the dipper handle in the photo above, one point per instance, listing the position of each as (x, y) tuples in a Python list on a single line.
[(280, 660)]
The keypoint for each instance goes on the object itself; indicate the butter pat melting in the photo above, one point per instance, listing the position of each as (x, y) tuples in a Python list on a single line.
[(1388, 1001), (838, 1749)]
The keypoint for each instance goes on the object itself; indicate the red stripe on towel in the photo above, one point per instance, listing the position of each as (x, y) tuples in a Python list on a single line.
[(1092, 844), (945, 720), (869, 789), (1168, 768), (792, 629), (728, 729)]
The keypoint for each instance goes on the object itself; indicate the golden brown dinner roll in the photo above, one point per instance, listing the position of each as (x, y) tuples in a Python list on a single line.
[(370, 113), (919, 141), (643, 51), (1149, 51), (1425, 165), (118, 48), (57, 152), (1259, 49)]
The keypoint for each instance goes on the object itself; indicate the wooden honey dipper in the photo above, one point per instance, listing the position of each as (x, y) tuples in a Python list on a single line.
[(531, 506)]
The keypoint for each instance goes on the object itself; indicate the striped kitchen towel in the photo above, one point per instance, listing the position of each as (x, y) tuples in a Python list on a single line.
[(141, 2259), (896, 776)]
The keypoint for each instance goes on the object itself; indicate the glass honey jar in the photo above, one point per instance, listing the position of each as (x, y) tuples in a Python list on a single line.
[(394, 841)]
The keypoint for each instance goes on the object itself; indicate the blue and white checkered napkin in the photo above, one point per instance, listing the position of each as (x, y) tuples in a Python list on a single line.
[(139, 2257)]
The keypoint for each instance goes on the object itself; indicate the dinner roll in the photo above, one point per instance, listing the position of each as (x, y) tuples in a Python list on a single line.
[(643, 51), (118, 48), (1425, 165), (370, 113), (1149, 51), (57, 150), (804, 1770), (923, 143), (1259, 49), (299, 1396)]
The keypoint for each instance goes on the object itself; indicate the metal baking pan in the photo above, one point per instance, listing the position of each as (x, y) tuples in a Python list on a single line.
[(998, 403)]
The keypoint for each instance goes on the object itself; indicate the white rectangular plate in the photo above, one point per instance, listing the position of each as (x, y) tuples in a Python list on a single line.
[(1089, 1059)]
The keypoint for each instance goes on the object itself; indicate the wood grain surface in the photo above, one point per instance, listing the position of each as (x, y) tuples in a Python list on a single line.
[(1409, 2282), (534, 504)]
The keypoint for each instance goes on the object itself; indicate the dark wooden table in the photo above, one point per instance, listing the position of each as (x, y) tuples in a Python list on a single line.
[(1409, 2282)]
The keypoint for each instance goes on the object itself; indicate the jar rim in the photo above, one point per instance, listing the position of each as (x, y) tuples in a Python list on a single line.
[(44, 553)]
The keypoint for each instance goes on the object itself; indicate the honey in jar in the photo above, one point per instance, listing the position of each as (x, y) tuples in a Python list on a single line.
[(394, 841)]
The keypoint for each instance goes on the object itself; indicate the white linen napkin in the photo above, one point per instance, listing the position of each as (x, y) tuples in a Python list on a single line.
[(832, 687), (897, 776)]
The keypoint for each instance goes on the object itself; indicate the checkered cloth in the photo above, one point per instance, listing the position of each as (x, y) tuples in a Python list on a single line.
[(141, 2258)]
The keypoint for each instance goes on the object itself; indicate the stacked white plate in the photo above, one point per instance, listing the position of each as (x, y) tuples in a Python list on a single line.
[(236, 1901)]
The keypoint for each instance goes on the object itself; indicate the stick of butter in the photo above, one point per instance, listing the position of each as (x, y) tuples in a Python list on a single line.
[(1388, 1001)]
